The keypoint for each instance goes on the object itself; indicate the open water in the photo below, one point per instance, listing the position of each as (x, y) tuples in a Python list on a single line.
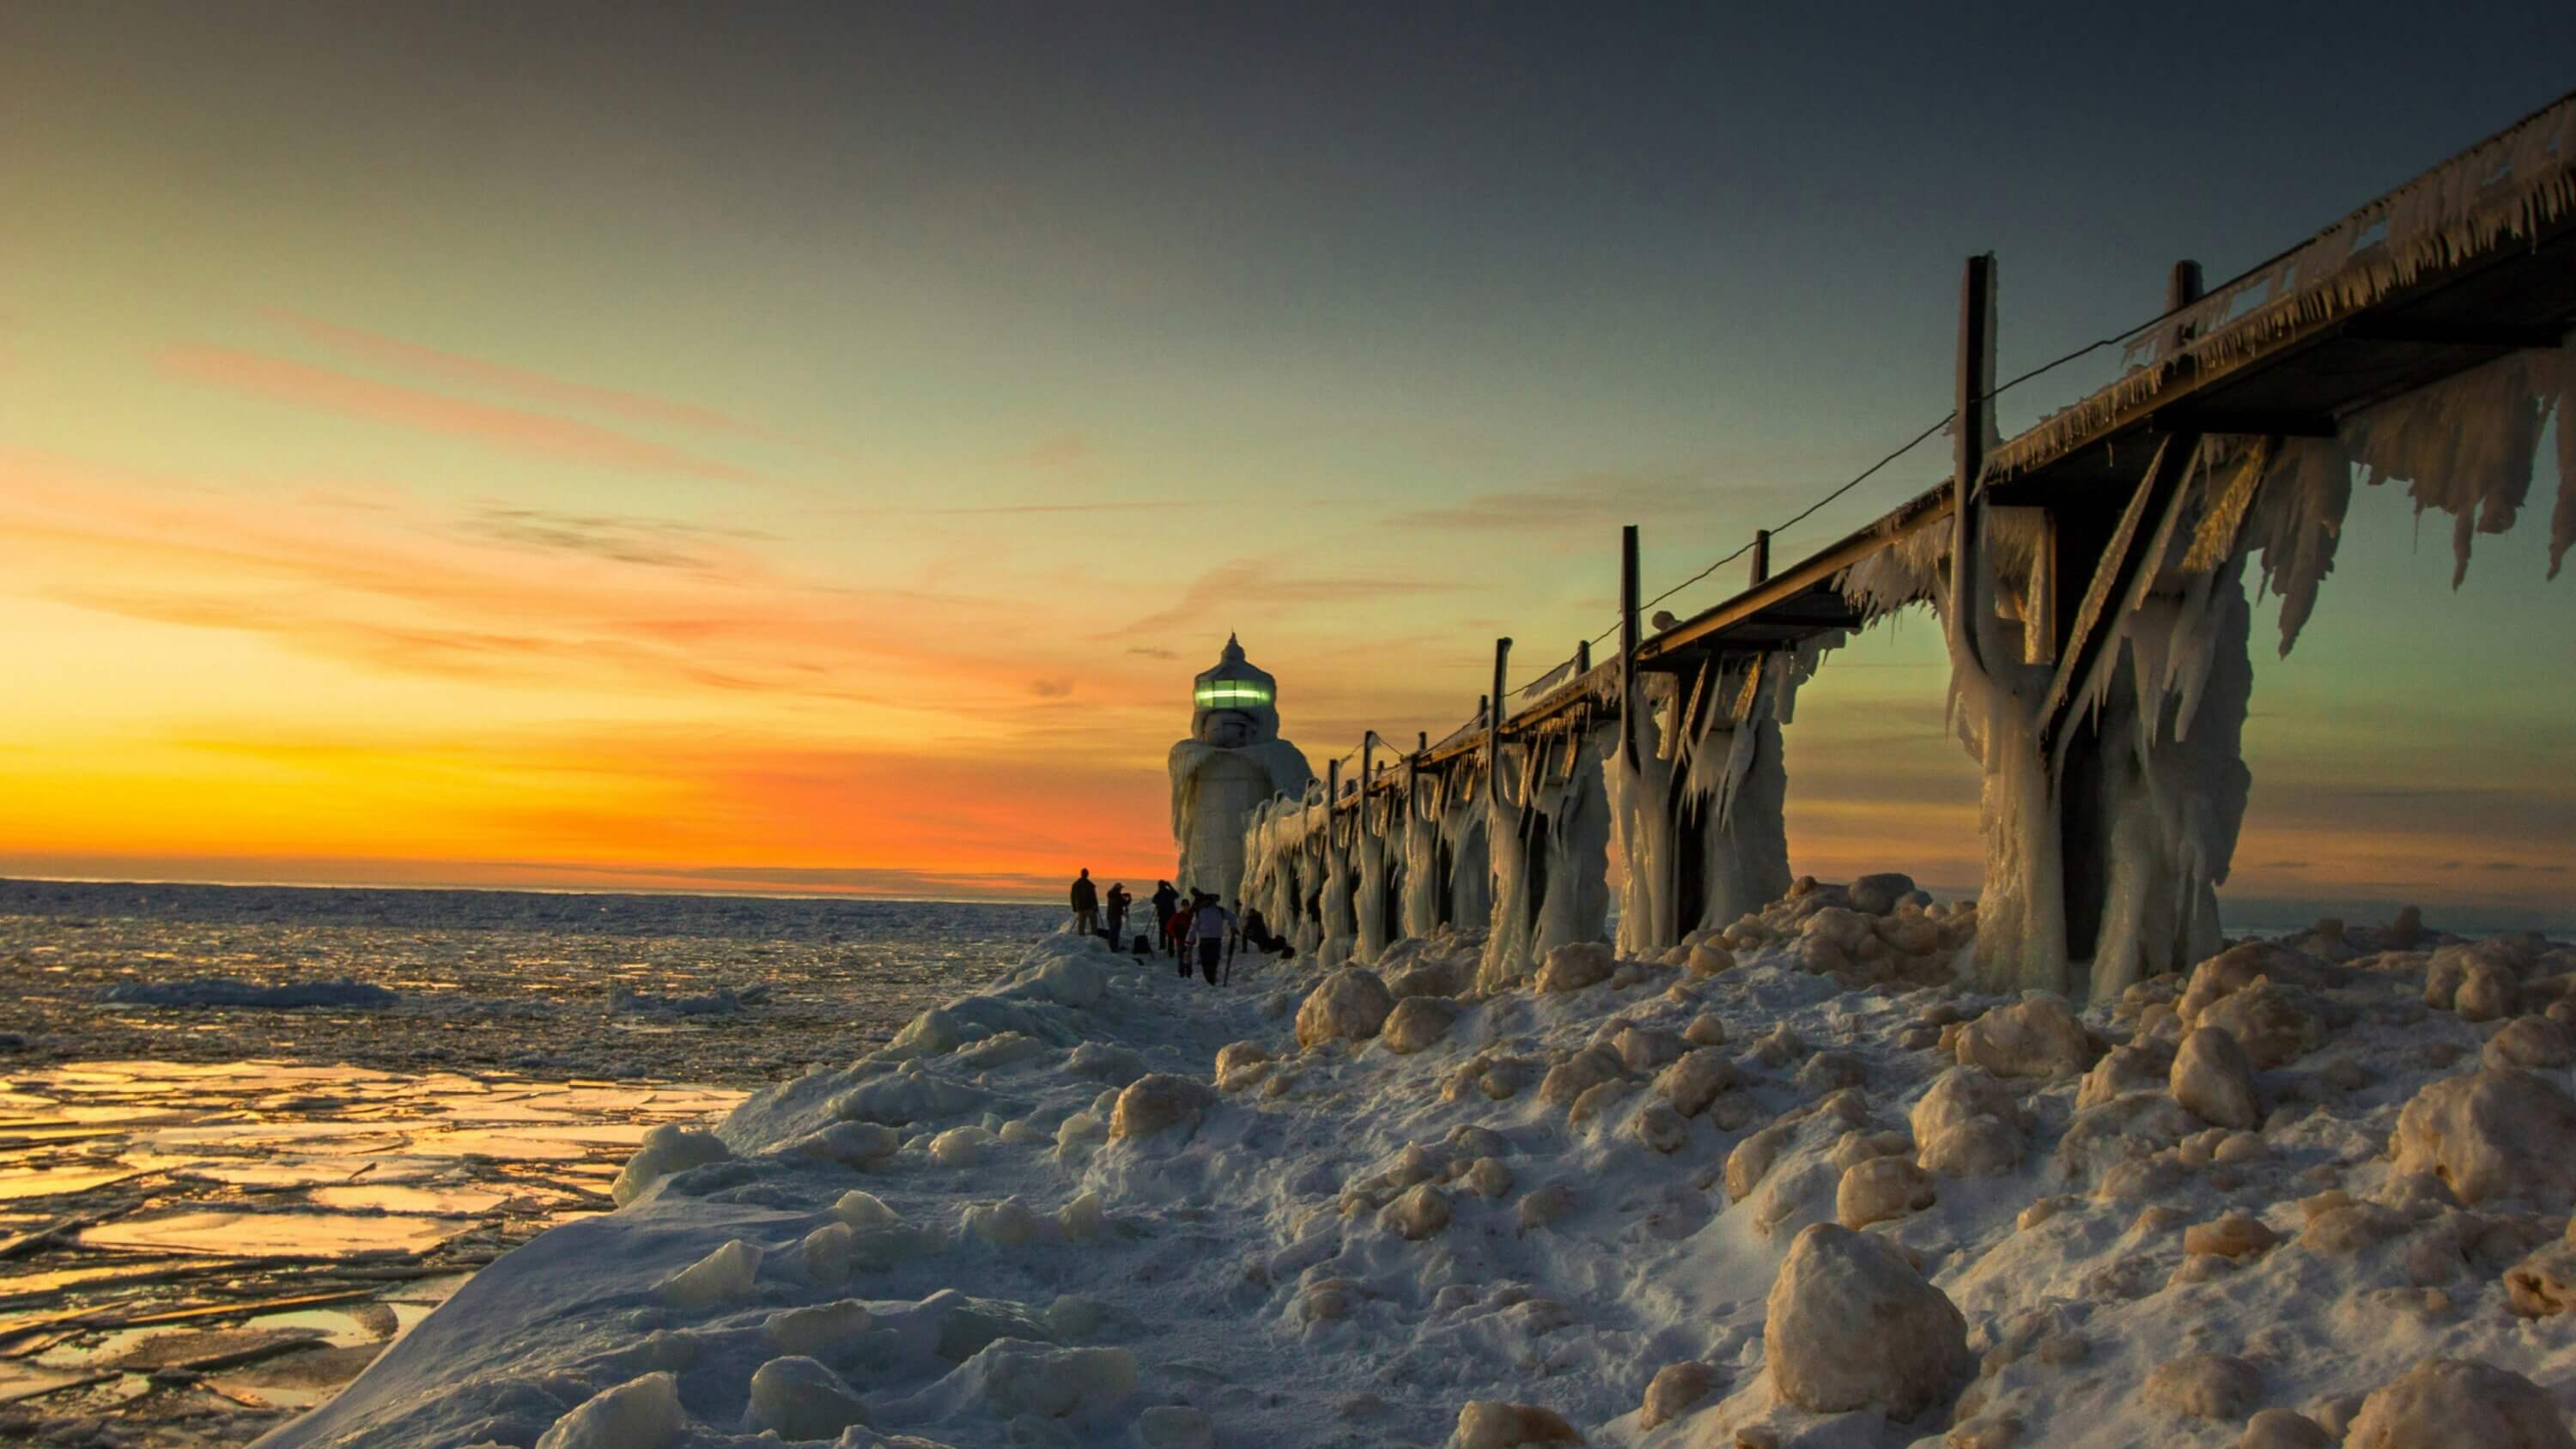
[(216, 1208)]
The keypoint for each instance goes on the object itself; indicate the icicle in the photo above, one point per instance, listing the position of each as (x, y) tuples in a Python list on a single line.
[(2512, 185)]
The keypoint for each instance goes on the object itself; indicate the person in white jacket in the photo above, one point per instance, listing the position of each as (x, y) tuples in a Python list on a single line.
[(1208, 925)]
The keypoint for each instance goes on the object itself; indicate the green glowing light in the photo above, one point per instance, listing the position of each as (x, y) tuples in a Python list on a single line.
[(1233, 694)]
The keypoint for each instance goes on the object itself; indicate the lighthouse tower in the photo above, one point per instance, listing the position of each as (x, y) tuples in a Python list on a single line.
[(1233, 760)]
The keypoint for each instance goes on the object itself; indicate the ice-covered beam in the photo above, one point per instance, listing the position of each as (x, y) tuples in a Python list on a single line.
[(1697, 786), (1547, 827), (1422, 905)]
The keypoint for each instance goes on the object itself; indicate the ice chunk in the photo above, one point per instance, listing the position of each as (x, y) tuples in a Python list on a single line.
[(821, 1331), (1083, 1218), (825, 1252), (1072, 981), (223, 991), (904, 1097), (852, 1144), (723, 1276), (1004, 1224), (863, 1210), (1019, 1377), (802, 1399), (639, 1414), (666, 1149), (959, 1146)]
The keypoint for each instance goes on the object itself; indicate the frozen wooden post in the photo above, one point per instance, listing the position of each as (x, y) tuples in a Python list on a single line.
[(1368, 777), (1761, 555), (1968, 455), (2039, 609), (1494, 722), (1628, 643), (1582, 658), (2182, 289)]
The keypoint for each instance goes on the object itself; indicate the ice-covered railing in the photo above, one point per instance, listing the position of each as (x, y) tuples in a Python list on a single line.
[(2152, 680), (2512, 184)]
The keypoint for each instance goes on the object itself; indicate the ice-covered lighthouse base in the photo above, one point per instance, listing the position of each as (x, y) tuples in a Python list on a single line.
[(1096, 1206)]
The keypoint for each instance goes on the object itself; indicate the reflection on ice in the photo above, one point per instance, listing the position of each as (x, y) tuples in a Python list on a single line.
[(243, 1238), (52, 1182), (277, 1234), (352, 1163)]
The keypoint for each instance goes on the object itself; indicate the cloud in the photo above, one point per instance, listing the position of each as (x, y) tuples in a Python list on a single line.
[(1151, 651), (1249, 587), (501, 377), (647, 542), (537, 434), (620, 603), (1051, 688)]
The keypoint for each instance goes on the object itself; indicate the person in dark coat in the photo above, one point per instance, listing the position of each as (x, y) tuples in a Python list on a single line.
[(1086, 904), (1255, 932), (1166, 901), (1119, 901)]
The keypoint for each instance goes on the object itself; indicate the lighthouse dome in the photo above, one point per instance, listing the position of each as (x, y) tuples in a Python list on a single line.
[(1236, 703)]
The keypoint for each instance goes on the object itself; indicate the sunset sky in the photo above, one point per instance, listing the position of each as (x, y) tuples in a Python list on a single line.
[(797, 448)]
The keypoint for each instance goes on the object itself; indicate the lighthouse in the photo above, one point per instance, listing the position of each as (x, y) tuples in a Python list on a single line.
[(1233, 760)]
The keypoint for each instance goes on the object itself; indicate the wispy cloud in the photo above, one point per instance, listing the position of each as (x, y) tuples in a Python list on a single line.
[(1240, 588), (649, 542), (540, 434), (480, 372)]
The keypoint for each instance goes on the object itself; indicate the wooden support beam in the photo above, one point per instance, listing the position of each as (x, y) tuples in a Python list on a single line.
[(2039, 591), (1628, 636), (1976, 385), (1494, 724), (1582, 658), (1413, 778), (1368, 777), (2128, 566), (1761, 555)]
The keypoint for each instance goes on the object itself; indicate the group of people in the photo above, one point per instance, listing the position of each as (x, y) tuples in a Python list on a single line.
[(1193, 929)]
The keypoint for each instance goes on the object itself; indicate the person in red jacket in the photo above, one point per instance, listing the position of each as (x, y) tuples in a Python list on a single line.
[(1176, 934)]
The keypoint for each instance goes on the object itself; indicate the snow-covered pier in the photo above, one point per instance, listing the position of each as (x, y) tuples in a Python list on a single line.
[(1790, 1165), (2090, 579)]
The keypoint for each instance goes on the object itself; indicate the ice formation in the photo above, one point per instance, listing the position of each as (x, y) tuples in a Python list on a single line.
[(1233, 762), (1697, 783), (1613, 1205), (2106, 844)]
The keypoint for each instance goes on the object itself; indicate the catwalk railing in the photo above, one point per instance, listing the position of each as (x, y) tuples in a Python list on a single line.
[(2089, 580)]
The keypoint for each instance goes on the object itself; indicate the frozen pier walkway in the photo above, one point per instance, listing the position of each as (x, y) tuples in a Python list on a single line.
[(2089, 576)]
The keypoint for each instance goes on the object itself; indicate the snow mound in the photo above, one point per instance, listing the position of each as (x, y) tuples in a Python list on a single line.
[(1611, 1214)]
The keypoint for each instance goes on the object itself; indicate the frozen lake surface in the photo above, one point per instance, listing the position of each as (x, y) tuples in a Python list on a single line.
[(248, 1136)]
